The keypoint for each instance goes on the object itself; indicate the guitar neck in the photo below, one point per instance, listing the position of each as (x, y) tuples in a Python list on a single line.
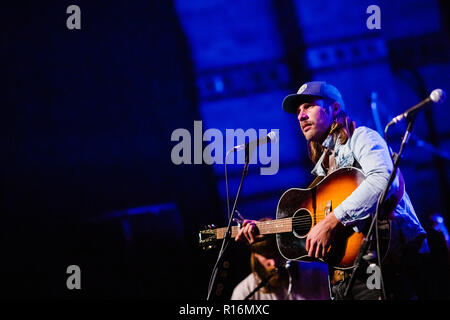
[(264, 227)]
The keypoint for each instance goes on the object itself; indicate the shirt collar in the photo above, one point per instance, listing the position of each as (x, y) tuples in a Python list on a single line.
[(330, 144)]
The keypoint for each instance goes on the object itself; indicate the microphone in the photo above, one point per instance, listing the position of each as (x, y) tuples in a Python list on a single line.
[(270, 138), (436, 96)]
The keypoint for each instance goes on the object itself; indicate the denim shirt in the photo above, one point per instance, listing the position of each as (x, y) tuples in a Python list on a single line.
[(367, 150)]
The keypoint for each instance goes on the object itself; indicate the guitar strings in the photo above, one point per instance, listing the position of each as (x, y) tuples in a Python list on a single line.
[(295, 222), (303, 221)]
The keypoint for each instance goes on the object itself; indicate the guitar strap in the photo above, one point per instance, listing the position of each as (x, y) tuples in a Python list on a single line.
[(329, 164), (315, 181), (329, 161)]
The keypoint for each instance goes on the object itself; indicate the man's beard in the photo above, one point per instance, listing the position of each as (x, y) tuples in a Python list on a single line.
[(278, 278)]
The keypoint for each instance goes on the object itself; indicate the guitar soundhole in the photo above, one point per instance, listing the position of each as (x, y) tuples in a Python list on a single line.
[(301, 223)]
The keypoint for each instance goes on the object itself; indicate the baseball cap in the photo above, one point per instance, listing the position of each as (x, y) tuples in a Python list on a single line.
[(311, 90)]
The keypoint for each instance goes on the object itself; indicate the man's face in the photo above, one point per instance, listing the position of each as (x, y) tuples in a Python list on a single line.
[(315, 118), (270, 265)]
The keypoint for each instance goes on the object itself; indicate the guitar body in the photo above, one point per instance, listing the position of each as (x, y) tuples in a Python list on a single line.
[(299, 210), (307, 207)]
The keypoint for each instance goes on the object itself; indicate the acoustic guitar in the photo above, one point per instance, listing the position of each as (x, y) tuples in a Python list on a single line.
[(299, 210)]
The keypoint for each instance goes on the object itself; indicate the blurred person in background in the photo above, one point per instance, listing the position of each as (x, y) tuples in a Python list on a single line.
[(273, 278)]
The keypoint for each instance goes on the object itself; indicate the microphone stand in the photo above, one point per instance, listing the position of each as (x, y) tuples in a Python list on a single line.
[(227, 236), (365, 244)]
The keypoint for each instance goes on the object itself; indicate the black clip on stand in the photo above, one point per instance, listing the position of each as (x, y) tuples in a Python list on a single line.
[(368, 238), (227, 236)]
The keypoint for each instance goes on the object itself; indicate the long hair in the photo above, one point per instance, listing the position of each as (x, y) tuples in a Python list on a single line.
[(342, 128)]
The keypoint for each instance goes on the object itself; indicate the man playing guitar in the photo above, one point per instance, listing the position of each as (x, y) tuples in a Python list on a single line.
[(334, 142)]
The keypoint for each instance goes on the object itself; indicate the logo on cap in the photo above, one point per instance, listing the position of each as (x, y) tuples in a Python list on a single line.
[(302, 88)]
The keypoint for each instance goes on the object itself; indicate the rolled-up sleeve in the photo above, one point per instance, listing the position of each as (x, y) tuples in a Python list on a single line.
[(371, 152)]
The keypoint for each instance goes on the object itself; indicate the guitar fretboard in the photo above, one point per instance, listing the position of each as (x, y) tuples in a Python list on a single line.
[(264, 227)]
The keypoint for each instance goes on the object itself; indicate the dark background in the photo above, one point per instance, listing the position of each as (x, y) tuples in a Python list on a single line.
[(86, 173)]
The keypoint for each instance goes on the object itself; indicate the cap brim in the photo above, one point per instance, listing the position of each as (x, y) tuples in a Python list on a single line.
[(293, 101)]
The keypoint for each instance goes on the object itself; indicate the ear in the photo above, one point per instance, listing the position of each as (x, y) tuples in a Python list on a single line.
[(335, 108)]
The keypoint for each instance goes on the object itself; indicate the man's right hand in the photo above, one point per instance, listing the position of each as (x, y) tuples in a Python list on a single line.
[(248, 232)]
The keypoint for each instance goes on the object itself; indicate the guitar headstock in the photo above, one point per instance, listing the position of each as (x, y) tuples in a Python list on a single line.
[(207, 237)]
